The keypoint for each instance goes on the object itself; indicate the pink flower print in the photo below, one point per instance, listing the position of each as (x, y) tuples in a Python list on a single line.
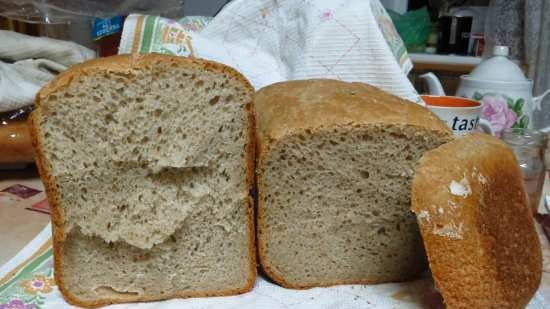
[(326, 15), (496, 111), (38, 283), (17, 304)]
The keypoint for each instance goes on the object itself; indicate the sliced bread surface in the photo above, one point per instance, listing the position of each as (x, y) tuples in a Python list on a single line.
[(334, 168), (469, 198), (147, 161)]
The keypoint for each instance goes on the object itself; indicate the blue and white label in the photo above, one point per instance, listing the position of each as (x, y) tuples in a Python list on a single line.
[(106, 26)]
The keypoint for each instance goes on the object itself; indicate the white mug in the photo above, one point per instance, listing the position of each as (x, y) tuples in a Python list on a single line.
[(460, 114)]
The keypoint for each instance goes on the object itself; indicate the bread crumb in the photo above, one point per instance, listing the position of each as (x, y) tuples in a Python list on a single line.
[(452, 204), (450, 230), (440, 210), (423, 215), (461, 188), (482, 180)]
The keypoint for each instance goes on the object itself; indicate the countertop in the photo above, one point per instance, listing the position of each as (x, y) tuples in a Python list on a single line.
[(19, 225)]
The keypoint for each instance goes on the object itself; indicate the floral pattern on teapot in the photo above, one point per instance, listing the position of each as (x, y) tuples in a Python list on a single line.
[(502, 111)]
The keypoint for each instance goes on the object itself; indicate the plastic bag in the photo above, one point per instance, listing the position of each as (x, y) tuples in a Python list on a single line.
[(63, 11), (414, 28)]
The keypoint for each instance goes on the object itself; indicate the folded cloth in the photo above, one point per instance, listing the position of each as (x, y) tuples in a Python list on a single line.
[(29, 62), (271, 41), (16, 46)]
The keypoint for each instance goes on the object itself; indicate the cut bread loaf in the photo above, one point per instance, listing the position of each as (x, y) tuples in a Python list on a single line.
[(334, 168), (472, 209), (148, 161)]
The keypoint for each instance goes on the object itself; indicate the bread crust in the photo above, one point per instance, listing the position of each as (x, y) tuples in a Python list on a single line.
[(474, 217), (285, 108), (124, 64), (309, 104)]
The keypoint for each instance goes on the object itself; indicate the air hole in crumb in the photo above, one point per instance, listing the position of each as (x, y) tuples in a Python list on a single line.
[(365, 174), (214, 100), (109, 118)]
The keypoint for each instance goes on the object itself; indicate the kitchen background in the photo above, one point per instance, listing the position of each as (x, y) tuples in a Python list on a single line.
[(447, 37)]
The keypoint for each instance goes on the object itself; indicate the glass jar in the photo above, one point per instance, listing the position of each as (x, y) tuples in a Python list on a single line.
[(528, 146)]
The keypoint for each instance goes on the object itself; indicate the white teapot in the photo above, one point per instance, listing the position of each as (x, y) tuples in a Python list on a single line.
[(500, 85)]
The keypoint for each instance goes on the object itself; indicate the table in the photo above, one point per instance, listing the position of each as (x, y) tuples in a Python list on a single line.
[(19, 225)]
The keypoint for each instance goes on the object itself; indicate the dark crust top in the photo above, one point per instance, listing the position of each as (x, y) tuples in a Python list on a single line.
[(310, 104), (125, 64), (475, 221)]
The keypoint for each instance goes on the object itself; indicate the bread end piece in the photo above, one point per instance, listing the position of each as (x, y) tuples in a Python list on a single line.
[(469, 199)]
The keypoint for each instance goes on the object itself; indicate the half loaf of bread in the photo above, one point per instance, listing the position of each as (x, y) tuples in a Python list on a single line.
[(147, 161), (472, 209), (334, 169)]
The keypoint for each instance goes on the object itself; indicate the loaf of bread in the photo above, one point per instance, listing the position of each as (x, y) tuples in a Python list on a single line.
[(472, 209), (148, 164), (335, 162)]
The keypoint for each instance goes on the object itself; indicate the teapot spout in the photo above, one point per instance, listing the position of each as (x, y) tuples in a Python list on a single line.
[(434, 85)]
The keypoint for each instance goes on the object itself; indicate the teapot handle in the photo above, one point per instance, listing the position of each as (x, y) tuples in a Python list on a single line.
[(486, 127), (537, 100)]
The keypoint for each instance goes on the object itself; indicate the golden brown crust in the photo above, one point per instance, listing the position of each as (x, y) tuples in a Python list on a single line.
[(285, 108), (314, 103), (124, 64), (479, 235), (15, 142)]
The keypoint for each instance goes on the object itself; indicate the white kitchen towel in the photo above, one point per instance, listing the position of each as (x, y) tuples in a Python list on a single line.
[(34, 265), (271, 41), (27, 63)]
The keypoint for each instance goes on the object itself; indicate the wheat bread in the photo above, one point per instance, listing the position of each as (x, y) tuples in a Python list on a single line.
[(482, 247), (148, 163), (335, 162)]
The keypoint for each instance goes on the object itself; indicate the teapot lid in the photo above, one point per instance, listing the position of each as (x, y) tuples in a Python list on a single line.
[(498, 68)]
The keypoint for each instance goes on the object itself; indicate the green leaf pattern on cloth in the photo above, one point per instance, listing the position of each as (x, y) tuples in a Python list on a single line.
[(28, 288)]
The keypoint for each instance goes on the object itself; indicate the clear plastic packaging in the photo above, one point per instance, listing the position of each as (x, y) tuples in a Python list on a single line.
[(73, 20), (63, 12)]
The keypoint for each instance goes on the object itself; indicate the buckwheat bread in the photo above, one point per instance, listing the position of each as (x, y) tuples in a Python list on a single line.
[(335, 162), (472, 209), (147, 162)]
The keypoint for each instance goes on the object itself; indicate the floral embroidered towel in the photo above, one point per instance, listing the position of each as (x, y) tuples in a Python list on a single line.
[(271, 41), (26, 282)]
